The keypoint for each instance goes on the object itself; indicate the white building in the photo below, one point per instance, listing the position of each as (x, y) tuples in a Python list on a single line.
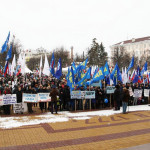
[(138, 47), (34, 53)]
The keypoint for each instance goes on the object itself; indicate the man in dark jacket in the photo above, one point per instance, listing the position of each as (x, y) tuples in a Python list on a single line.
[(19, 95), (29, 105), (125, 99), (117, 98), (54, 94)]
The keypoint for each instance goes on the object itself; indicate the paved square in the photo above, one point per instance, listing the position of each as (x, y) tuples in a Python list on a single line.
[(99, 132)]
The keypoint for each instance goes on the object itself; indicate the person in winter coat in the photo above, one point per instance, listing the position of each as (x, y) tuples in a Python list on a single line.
[(125, 99), (117, 98), (54, 94), (29, 105), (7, 107), (19, 95)]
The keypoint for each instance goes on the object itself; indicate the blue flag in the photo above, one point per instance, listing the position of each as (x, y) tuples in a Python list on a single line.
[(106, 69), (59, 69), (86, 76), (99, 76), (144, 68), (70, 81), (52, 65), (138, 71), (116, 73), (131, 64), (74, 68), (67, 76), (4, 47), (83, 64), (9, 53)]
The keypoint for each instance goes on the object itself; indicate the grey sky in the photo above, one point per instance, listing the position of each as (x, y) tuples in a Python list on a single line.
[(55, 23)]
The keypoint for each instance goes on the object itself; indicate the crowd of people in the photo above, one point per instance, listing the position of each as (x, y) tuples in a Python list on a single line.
[(60, 94)]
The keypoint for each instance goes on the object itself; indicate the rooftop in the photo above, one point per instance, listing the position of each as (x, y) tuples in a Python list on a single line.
[(134, 40)]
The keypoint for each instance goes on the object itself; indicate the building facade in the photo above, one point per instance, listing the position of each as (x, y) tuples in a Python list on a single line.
[(138, 47)]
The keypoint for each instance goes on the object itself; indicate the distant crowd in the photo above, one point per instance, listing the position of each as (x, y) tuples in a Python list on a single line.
[(60, 94)]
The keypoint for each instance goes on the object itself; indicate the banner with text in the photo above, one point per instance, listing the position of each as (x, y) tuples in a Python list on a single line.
[(30, 98), (9, 99), (44, 97)]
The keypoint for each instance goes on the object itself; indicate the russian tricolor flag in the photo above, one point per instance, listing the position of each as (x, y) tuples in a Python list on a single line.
[(6, 69)]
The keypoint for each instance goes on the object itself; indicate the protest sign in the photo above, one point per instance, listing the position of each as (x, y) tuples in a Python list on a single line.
[(20, 108), (32, 98), (137, 93), (110, 89), (82, 94), (89, 94), (1, 100), (146, 92), (9, 99), (44, 97), (130, 91), (75, 94)]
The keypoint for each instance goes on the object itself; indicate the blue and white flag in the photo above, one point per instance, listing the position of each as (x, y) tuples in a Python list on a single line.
[(4, 47), (131, 64), (9, 53), (58, 73)]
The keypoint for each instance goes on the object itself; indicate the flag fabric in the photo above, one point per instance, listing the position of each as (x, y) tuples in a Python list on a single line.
[(40, 67), (59, 69), (107, 79), (6, 69), (13, 65), (46, 70), (1, 70), (52, 65), (9, 53), (70, 81), (124, 76), (74, 68), (99, 76), (131, 64), (4, 47), (116, 75), (86, 76), (144, 68), (83, 64), (96, 70), (23, 65), (106, 69)]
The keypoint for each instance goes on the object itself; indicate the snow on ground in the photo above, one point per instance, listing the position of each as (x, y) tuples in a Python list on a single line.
[(11, 122)]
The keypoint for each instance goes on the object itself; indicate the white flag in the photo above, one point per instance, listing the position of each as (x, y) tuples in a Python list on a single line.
[(13, 65), (46, 69), (40, 66)]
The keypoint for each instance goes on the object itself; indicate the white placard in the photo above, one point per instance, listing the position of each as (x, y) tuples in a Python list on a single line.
[(110, 89), (44, 97), (137, 93), (32, 98), (146, 92), (75, 94), (9, 99), (20, 107), (89, 94)]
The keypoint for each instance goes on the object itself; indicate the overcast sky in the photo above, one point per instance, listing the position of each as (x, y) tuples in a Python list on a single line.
[(55, 23)]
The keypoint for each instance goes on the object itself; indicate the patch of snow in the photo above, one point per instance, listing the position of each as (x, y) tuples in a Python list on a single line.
[(12, 122)]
